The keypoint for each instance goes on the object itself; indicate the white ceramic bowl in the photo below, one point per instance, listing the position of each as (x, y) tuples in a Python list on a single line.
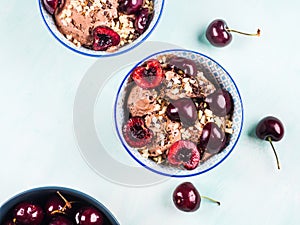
[(49, 22), (211, 69)]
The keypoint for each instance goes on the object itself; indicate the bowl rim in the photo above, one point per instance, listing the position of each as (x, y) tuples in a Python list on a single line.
[(69, 191), (148, 167), (118, 52)]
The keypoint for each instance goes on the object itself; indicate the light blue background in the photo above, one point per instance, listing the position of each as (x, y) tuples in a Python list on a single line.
[(39, 79)]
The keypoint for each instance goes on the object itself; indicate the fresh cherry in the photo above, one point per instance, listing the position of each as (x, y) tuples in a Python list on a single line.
[(89, 216), (130, 6), (51, 5), (142, 20), (182, 110), (219, 35), (270, 129), (149, 75), (60, 220), (186, 65), (27, 213), (220, 102), (212, 138), (104, 37), (187, 198), (184, 152), (136, 134), (57, 204)]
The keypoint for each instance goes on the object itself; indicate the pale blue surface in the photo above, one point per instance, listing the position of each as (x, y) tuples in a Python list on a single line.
[(38, 83)]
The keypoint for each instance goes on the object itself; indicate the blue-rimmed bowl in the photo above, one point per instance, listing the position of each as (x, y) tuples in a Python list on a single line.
[(49, 22), (214, 72), (38, 195)]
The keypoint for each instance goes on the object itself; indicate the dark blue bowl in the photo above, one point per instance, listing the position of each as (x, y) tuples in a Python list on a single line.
[(42, 192)]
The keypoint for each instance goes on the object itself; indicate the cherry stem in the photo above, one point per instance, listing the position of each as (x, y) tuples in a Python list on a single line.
[(239, 32), (277, 160), (68, 204), (212, 200)]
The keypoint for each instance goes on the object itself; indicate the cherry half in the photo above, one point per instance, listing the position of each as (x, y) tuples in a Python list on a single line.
[(184, 152), (105, 37), (187, 198), (270, 129), (136, 134), (27, 213), (149, 75), (219, 35)]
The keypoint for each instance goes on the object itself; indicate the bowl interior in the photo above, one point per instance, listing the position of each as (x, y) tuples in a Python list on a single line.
[(218, 75), (47, 18), (42, 192)]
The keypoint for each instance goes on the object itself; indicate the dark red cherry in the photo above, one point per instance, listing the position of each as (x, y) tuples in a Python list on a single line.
[(57, 204), (270, 129), (51, 5), (186, 197), (130, 6), (186, 65), (149, 75), (104, 37), (54, 205), (27, 213), (212, 138), (89, 216), (60, 220), (219, 35), (220, 102), (142, 21), (182, 110), (136, 134), (184, 152)]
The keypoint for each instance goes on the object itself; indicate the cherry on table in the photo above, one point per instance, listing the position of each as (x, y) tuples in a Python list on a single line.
[(187, 198), (219, 35), (27, 213), (270, 129)]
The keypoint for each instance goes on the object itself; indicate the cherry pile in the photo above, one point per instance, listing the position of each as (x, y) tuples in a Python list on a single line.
[(55, 209)]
